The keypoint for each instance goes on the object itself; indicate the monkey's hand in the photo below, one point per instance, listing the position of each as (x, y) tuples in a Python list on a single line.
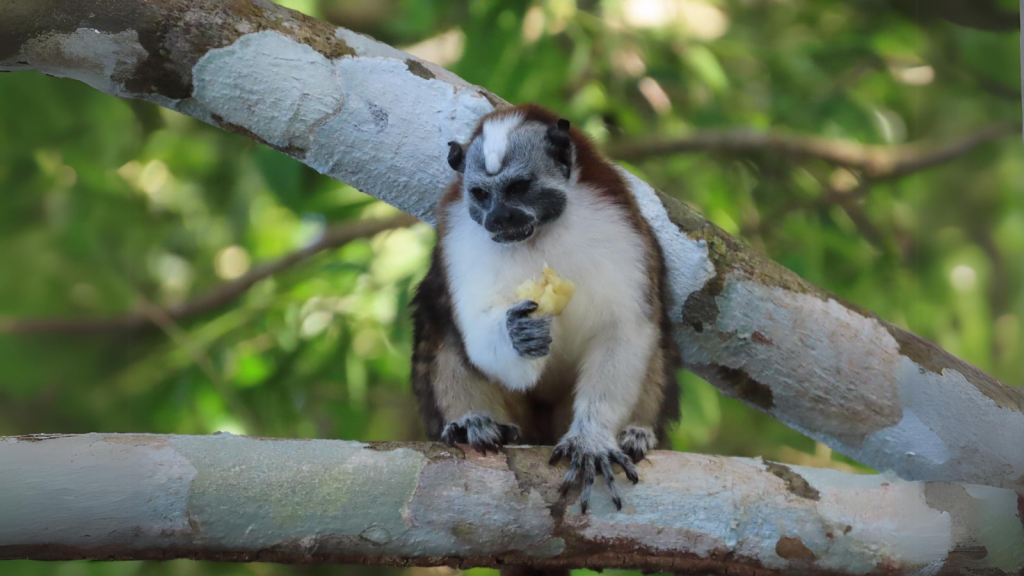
[(588, 454), (481, 432), (531, 336)]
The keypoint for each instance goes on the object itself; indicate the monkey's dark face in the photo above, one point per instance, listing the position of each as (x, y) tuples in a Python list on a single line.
[(514, 178)]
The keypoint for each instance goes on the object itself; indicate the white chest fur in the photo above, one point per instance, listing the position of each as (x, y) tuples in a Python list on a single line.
[(592, 244)]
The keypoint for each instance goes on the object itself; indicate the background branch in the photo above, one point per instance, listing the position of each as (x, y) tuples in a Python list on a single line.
[(875, 162), (152, 316), (232, 498)]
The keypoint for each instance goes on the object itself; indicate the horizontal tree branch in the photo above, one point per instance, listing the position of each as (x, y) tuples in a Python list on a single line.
[(216, 298), (874, 162), (379, 119), (232, 498)]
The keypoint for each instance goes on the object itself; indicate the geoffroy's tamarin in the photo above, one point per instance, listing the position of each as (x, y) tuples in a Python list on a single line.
[(600, 378)]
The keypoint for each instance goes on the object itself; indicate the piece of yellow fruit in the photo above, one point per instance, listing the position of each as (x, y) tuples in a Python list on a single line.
[(551, 293)]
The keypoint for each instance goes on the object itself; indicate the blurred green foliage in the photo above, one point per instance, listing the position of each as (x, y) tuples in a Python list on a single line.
[(111, 206)]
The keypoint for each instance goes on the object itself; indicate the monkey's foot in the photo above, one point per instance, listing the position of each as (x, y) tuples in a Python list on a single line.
[(636, 441), (587, 455), (481, 432)]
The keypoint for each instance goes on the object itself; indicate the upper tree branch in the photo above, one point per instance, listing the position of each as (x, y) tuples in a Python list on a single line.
[(379, 119), (216, 298), (876, 163), (230, 498)]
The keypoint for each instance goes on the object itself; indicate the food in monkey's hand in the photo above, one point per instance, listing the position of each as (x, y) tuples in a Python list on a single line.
[(551, 293)]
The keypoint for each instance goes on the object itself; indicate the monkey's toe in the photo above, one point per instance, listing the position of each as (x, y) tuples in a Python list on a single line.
[(636, 442), (587, 457), (454, 433), (481, 432)]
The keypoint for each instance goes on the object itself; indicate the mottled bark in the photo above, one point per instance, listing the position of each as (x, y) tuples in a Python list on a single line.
[(379, 119), (233, 498)]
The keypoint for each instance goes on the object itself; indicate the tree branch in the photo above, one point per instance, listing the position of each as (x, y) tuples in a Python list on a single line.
[(216, 298), (231, 498), (875, 162), (379, 119), (980, 14)]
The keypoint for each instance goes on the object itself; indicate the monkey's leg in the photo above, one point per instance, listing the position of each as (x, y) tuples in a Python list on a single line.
[(638, 438), (476, 411), (610, 383)]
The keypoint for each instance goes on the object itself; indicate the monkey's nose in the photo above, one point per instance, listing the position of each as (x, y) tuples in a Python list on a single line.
[(499, 219)]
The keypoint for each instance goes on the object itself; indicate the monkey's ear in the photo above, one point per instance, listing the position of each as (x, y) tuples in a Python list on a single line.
[(559, 143), (456, 157)]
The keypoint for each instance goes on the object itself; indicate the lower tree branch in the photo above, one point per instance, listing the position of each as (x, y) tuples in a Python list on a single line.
[(216, 298), (231, 498), (380, 119)]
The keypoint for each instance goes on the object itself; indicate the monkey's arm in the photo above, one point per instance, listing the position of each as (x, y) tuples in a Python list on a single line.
[(508, 345), (611, 380), (474, 410)]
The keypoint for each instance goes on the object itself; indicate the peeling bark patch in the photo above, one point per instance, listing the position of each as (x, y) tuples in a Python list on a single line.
[(746, 388), (236, 129), (793, 548), (962, 559), (935, 359), (100, 59), (700, 308), (254, 84), (760, 338), (452, 491), (174, 34), (22, 21), (418, 69), (291, 489), (832, 372), (795, 483), (158, 73), (293, 151), (63, 471), (688, 270)]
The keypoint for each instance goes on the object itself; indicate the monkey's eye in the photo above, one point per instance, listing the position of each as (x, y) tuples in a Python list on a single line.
[(517, 188), (480, 194)]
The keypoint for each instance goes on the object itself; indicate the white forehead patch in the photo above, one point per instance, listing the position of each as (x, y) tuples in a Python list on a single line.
[(496, 133)]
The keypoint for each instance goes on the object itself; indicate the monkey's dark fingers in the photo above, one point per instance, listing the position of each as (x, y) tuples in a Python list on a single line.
[(454, 433), (627, 466), (523, 309), (589, 473), (609, 478), (575, 465), (509, 433), (557, 454)]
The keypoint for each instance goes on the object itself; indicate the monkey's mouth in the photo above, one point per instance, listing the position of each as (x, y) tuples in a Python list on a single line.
[(513, 235)]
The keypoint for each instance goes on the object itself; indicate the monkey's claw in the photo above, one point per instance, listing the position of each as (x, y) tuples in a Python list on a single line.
[(481, 432), (586, 457)]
